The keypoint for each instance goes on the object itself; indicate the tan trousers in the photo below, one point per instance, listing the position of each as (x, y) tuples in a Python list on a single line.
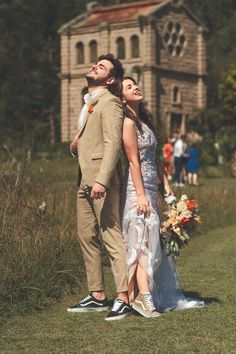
[(96, 220)]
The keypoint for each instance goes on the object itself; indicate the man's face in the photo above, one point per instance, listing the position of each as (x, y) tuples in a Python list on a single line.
[(99, 72)]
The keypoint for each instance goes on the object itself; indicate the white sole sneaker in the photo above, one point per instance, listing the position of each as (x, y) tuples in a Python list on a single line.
[(144, 313), (120, 317), (83, 310)]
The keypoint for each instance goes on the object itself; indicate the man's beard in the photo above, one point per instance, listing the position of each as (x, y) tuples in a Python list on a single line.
[(95, 81)]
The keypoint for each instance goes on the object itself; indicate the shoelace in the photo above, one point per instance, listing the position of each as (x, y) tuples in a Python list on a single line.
[(149, 302), (116, 305), (85, 299)]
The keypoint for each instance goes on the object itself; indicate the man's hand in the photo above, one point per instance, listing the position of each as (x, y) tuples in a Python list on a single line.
[(74, 144), (98, 191)]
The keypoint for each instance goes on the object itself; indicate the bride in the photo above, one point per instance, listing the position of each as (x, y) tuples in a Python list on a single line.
[(153, 283)]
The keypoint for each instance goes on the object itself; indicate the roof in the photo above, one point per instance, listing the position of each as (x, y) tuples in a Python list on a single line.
[(122, 12), (114, 13), (117, 13)]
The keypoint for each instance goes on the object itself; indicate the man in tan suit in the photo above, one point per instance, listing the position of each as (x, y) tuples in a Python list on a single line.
[(98, 143)]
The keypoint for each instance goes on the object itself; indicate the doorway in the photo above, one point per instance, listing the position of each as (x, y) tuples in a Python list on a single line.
[(175, 122)]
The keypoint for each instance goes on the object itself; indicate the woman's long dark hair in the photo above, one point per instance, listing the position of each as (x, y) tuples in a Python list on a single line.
[(144, 114)]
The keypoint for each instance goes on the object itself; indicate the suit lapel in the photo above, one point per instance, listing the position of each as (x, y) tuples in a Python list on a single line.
[(93, 103), (84, 123)]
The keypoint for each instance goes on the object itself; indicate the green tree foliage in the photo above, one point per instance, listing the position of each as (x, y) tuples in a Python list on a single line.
[(219, 18), (228, 90), (29, 66), (217, 122)]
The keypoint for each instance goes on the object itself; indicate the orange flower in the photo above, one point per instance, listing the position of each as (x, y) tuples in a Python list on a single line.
[(90, 108), (192, 204)]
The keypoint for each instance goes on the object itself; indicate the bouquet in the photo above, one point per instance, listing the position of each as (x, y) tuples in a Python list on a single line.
[(179, 222)]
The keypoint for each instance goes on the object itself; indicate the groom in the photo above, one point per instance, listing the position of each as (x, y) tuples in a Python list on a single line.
[(98, 144)]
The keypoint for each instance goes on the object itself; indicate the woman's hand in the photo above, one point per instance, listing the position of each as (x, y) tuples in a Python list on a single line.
[(168, 190), (143, 206)]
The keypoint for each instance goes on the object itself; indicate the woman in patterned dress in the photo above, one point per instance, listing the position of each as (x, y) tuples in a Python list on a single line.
[(153, 282)]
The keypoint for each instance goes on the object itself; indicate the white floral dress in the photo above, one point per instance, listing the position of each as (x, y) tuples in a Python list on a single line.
[(142, 235)]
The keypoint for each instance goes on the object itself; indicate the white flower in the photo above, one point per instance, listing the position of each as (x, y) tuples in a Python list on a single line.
[(181, 206), (42, 208), (184, 197), (186, 213)]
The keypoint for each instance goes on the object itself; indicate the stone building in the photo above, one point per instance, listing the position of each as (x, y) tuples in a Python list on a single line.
[(160, 43)]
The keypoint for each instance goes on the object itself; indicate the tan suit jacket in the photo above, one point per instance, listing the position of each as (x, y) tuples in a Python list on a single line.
[(99, 141), (99, 147)]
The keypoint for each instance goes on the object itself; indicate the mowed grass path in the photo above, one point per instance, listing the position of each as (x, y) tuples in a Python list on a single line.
[(207, 267)]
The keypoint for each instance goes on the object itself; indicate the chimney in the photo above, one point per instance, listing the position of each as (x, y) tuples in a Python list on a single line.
[(91, 6)]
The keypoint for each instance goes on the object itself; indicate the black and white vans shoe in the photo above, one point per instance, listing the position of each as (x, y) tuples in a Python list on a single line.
[(119, 310), (90, 304)]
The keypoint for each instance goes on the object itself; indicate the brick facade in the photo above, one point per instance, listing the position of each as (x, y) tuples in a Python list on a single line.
[(171, 66)]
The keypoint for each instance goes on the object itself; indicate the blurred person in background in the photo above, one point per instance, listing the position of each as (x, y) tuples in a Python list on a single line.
[(167, 152), (179, 147), (192, 165)]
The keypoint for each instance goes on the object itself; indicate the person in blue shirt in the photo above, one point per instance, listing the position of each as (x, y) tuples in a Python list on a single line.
[(192, 165)]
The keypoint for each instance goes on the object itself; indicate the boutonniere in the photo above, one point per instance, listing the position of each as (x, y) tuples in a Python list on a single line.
[(90, 108)]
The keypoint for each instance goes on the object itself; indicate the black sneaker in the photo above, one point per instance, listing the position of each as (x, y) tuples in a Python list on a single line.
[(119, 310), (90, 304)]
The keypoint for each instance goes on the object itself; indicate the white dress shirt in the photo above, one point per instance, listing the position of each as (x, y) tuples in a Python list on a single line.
[(178, 148), (87, 99)]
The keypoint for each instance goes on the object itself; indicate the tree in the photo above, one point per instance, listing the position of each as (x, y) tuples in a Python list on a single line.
[(29, 67), (228, 91)]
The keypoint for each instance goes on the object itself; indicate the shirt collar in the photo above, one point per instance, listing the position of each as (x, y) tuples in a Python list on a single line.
[(89, 97)]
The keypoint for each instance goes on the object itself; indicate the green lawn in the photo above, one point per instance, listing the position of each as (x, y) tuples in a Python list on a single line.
[(207, 267)]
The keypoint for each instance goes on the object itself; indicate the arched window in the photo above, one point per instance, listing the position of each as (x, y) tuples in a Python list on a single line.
[(134, 40), (93, 51), (176, 96), (79, 53), (120, 43)]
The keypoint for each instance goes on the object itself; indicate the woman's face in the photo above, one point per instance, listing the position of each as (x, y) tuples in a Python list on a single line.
[(131, 91)]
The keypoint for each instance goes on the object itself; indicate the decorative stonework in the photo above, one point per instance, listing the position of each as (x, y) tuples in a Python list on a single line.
[(174, 38)]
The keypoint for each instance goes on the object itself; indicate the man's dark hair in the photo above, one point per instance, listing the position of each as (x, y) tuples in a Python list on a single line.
[(117, 71)]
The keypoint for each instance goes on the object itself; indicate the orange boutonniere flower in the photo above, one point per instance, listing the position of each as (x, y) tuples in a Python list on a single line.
[(90, 108)]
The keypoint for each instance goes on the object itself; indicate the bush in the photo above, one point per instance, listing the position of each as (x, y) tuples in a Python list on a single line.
[(208, 153), (227, 142)]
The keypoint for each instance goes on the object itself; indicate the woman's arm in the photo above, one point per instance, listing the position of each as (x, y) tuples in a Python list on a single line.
[(162, 177), (132, 153)]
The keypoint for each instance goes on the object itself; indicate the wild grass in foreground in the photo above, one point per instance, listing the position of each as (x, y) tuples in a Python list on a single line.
[(207, 268), (40, 259), (39, 250)]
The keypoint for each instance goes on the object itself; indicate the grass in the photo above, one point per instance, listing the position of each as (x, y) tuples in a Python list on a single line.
[(206, 267), (40, 255), (42, 272)]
